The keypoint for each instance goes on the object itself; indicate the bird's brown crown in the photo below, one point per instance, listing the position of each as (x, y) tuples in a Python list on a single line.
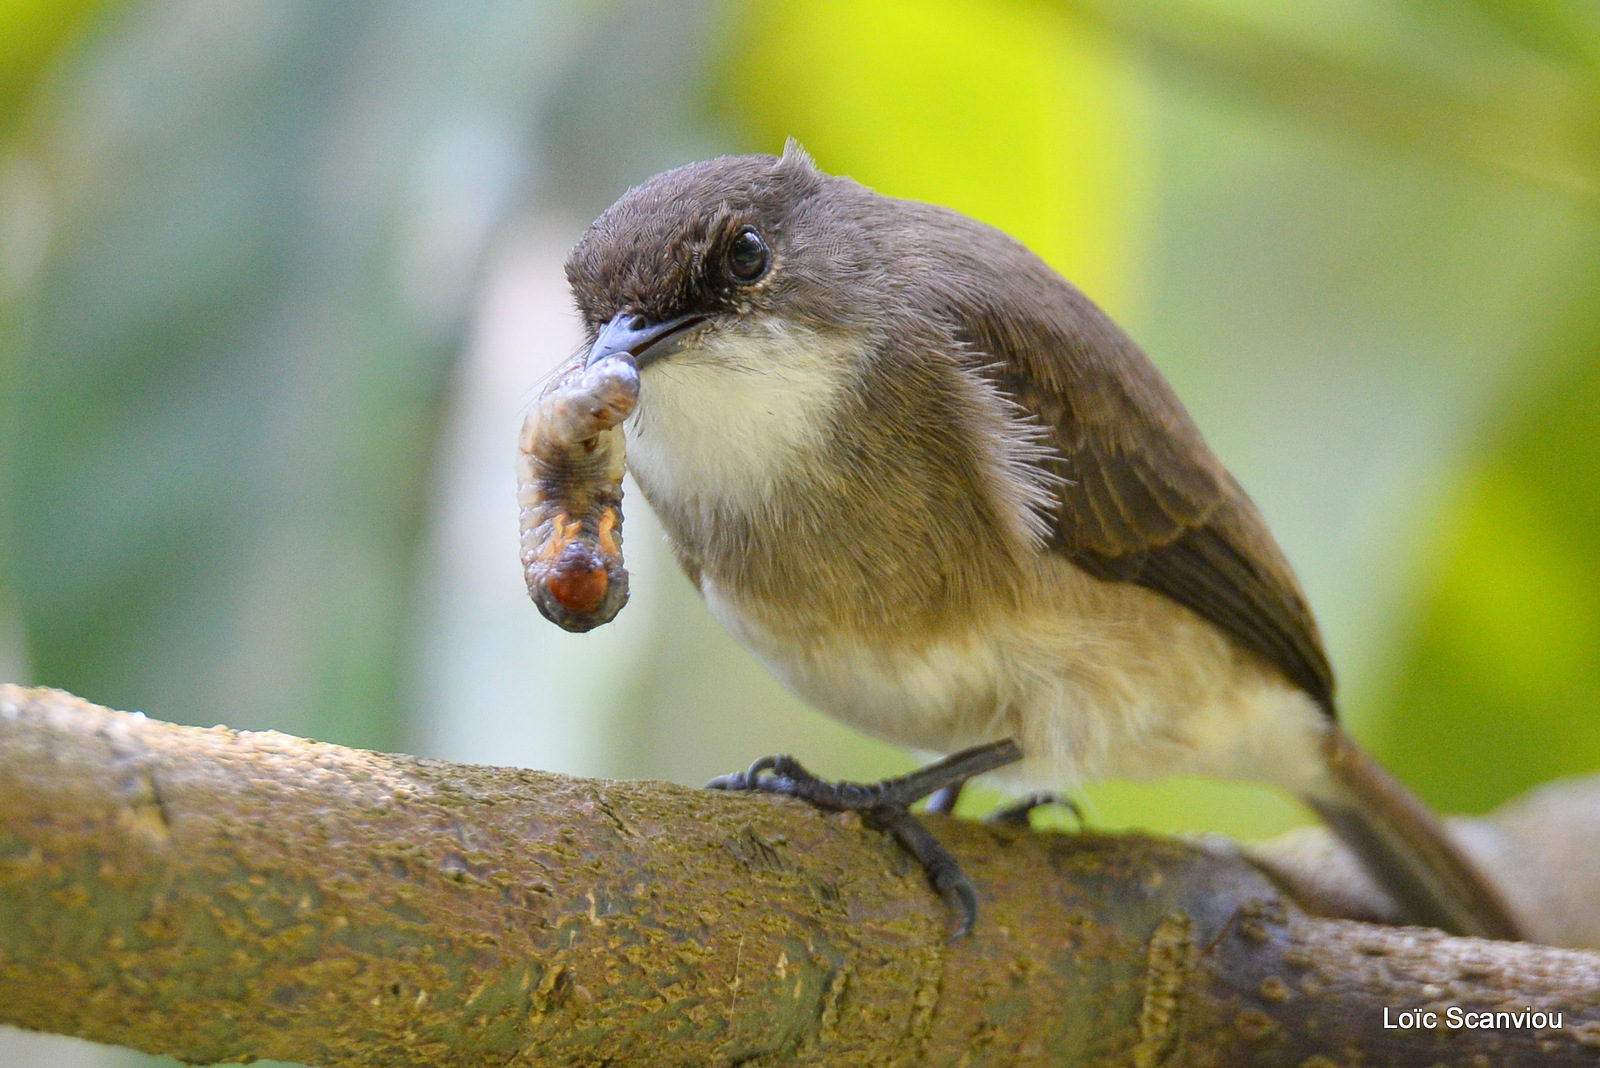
[(661, 250)]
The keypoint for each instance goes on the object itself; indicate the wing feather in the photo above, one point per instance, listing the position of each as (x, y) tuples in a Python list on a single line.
[(1142, 497)]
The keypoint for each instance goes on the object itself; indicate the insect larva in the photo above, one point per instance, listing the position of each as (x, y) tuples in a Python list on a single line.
[(570, 463)]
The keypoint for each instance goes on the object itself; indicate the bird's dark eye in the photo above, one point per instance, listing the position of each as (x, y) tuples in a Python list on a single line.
[(748, 256)]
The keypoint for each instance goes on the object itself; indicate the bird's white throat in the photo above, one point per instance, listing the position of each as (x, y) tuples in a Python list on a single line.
[(724, 421)]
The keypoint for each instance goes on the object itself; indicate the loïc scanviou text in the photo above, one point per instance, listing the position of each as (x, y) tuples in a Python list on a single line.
[(1456, 1018)]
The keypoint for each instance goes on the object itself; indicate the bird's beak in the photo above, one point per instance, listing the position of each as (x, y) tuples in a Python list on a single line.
[(644, 340)]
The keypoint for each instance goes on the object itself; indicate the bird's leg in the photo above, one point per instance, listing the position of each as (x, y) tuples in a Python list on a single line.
[(1017, 812), (943, 801), (788, 777), (886, 806)]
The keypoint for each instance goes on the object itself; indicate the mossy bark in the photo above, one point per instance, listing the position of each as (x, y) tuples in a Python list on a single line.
[(223, 895)]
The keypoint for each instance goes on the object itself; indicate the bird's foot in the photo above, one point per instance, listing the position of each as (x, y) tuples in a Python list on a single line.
[(886, 806), (785, 775), (1017, 812)]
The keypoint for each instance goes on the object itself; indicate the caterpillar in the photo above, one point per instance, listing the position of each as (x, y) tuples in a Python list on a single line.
[(570, 462)]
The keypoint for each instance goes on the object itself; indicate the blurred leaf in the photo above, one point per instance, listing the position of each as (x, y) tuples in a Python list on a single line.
[(1439, 79), (1566, 29), (1002, 110), (1498, 686), (32, 33)]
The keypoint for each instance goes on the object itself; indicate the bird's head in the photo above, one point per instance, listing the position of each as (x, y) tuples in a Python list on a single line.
[(742, 245)]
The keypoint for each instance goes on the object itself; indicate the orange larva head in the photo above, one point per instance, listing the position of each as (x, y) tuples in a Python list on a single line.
[(578, 579)]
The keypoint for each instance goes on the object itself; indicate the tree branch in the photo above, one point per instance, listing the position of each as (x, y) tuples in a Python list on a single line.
[(224, 895)]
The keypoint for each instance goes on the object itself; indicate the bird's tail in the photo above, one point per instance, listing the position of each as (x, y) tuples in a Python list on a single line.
[(1404, 846)]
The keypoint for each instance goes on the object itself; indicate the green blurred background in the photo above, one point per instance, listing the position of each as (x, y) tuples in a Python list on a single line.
[(277, 280)]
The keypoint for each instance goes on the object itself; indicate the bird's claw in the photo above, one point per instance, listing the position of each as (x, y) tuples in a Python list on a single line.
[(886, 806), (1017, 812)]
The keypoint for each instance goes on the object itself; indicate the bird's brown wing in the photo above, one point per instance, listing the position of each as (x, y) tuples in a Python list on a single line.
[(1143, 499)]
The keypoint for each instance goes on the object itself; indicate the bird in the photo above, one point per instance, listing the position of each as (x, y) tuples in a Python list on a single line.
[(943, 497)]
